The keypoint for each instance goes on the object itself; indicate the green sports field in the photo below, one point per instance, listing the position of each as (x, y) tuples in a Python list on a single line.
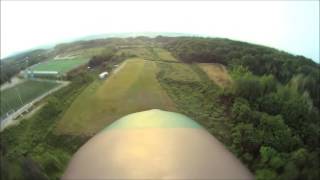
[(61, 65), (27, 91), (132, 88)]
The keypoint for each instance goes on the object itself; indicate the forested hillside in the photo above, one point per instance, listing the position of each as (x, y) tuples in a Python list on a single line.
[(259, 60), (272, 106)]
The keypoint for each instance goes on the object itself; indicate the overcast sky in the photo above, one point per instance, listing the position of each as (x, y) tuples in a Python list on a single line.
[(292, 26)]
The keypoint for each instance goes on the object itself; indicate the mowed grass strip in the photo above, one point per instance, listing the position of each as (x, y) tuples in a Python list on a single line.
[(61, 65), (141, 52), (179, 72), (27, 90), (217, 72), (132, 88), (164, 55)]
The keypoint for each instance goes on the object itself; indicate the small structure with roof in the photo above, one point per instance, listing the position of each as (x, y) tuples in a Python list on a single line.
[(103, 75)]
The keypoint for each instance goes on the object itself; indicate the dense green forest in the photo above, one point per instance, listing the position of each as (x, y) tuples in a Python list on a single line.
[(276, 127), (271, 110), (269, 116), (258, 59)]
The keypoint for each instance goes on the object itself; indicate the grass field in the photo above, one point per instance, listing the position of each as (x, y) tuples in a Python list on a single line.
[(217, 72), (132, 88), (164, 55), (27, 90), (141, 52), (61, 65), (179, 72), (149, 53)]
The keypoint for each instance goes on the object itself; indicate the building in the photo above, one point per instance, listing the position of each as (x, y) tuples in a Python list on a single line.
[(32, 74)]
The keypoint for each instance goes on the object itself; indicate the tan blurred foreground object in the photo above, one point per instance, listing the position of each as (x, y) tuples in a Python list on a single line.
[(155, 144)]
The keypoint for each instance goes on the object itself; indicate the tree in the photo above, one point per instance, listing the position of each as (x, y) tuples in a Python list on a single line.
[(241, 110), (263, 174), (269, 84), (271, 158), (270, 103), (248, 87), (290, 171), (276, 134), (51, 109), (300, 157), (245, 138)]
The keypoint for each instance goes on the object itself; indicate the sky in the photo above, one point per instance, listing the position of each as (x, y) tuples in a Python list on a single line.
[(292, 26)]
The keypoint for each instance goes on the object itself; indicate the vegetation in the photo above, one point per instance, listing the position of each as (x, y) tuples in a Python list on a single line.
[(15, 97), (276, 128), (197, 98)]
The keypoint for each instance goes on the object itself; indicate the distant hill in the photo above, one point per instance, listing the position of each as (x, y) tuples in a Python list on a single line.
[(102, 36), (125, 35)]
